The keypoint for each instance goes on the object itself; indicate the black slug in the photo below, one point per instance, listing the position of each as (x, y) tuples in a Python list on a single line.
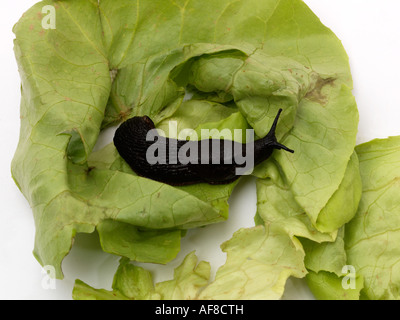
[(180, 162)]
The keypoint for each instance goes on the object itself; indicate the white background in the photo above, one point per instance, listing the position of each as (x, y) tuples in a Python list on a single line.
[(370, 32)]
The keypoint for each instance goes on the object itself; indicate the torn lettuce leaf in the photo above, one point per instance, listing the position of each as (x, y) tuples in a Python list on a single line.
[(135, 283), (126, 240), (259, 261), (325, 255), (312, 82), (368, 245), (250, 58), (69, 196), (277, 204), (189, 278), (130, 283), (329, 275), (372, 237), (328, 286)]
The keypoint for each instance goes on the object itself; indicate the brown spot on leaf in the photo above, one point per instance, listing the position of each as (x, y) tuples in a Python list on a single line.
[(89, 170), (316, 94)]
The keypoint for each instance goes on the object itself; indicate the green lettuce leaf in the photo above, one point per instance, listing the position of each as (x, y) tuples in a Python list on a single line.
[(130, 283), (372, 237), (66, 193), (369, 242), (277, 205), (189, 278), (243, 60), (259, 262), (329, 275), (126, 240), (135, 283), (328, 286), (283, 41), (325, 254)]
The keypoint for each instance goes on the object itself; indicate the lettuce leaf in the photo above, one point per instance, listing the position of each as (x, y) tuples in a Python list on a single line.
[(306, 66), (368, 244), (329, 276), (243, 60), (325, 254), (372, 237), (70, 196), (259, 262), (135, 283), (328, 286)]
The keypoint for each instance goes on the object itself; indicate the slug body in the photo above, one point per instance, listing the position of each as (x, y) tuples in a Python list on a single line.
[(214, 163)]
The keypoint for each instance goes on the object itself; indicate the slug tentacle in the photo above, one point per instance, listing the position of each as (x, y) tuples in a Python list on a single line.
[(271, 136), (272, 132), (264, 147), (280, 146), (132, 142)]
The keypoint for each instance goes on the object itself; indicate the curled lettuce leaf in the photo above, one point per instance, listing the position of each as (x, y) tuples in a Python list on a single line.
[(372, 237), (289, 59), (259, 262), (328, 286), (368, 244), (243, 60), (324, 253), (135, 283), (61, 120), (328, 277)]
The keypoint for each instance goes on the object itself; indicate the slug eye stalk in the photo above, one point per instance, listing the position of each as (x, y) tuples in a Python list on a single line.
[(271, 138)]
